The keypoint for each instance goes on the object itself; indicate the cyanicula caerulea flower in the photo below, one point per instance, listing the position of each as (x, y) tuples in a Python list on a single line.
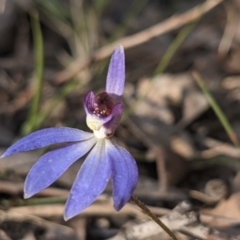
[(105, 159)]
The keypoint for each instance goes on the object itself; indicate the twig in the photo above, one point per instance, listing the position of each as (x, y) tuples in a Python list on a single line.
[(232, 25), (153, 217), (161, 168), (216, 148), (99, 208), (181, 218), (168, 25), (51, 227)]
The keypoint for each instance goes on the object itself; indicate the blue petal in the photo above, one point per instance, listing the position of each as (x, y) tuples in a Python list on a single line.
[(90, 181), (53, 164), (46, 137), (124, 174), (116, 73)]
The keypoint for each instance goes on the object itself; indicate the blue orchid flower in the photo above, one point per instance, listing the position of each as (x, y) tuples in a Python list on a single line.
[(105, 159)]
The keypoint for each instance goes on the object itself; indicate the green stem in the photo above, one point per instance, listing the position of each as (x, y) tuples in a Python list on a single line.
[(29, 124), (147, 211)]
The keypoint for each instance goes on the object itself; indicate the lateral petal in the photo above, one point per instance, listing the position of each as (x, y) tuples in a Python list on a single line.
[(53, 164), (90, 181), (46, 137), (124, 174), (116, 117)]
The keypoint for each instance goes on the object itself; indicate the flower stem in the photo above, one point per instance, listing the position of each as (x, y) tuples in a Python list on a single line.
[(147, 211)]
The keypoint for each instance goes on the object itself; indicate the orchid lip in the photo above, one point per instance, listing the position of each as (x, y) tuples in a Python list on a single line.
[(103, 114)]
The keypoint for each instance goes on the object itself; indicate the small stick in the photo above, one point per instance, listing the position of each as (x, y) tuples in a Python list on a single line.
[(147, 211), (146, 35)]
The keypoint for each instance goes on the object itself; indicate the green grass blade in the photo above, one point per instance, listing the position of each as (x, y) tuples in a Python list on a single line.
[(174, 47), (165, 61), (29, 124), (216, 108)]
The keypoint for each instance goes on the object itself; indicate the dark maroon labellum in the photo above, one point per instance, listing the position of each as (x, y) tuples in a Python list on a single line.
[(103, 105)]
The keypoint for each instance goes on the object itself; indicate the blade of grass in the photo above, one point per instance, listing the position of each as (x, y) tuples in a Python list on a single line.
[(83, 27), (216, 108), (56, 19), (57, 9), (29, 124), (99, 6), (174, 47), (164, 62)]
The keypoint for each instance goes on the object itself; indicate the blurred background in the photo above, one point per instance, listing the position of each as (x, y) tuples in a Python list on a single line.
[(182, 109)]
